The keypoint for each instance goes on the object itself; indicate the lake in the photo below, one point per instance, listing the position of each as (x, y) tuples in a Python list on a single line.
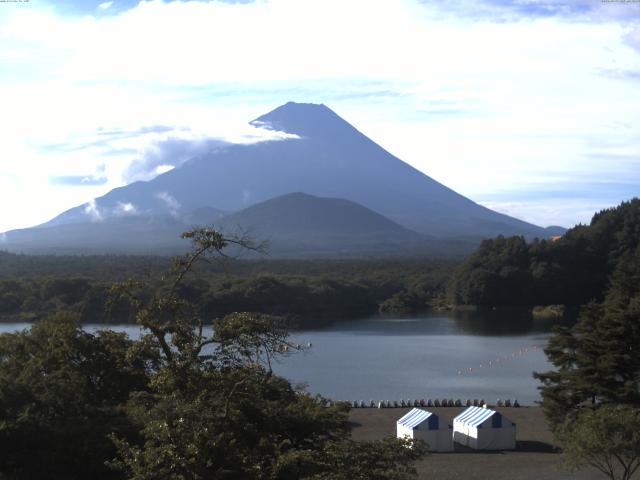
[(465, 355)]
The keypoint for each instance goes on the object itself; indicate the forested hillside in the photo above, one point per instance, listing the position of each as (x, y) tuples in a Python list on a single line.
[(571, 270), (34, 286)]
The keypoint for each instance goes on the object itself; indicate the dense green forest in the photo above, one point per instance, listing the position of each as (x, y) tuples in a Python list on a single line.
[(572, 270), (311, 290), (597, 358), (176, 403), (592, 396)]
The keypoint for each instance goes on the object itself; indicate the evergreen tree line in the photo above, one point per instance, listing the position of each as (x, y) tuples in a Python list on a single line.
[(592, 397), (572, 270), (598, 359)]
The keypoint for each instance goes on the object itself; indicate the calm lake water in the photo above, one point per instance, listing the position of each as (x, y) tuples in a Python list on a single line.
[(447, 355)]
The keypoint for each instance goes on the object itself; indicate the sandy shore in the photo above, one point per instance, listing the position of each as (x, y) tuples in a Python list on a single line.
[(536, 457)]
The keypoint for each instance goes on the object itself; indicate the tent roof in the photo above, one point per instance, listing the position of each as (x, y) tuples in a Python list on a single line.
[(474, 416), (414, 418)]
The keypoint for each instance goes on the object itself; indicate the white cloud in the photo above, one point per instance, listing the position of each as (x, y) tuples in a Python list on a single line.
[(127, 208), (474, 103), (93, 211), (633, 37), (551, 211), (105, 5), (170, 202), (160, 169)]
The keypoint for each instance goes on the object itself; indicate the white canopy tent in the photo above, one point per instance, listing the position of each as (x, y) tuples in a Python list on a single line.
[(484, 429), (419, 424)]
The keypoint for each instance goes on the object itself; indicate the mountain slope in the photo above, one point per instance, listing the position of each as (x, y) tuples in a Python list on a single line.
[(293, 225), (330, 159), (158, 234), (300, 214), (298, 222)]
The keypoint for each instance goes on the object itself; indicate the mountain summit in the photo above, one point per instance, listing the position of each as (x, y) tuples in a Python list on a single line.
[(305, 120), (326, 158)]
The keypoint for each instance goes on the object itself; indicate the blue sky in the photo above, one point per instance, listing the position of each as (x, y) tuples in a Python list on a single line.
[(530, 107)]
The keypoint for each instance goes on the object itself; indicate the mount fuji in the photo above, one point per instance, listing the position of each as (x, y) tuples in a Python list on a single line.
[(338, 175)]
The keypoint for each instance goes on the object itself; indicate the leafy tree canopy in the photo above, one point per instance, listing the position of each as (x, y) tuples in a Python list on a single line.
[(607, 439)]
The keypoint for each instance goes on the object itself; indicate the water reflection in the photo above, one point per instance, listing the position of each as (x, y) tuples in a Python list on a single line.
[(474, 354), (454, 355), (504, 321), (481, 322)]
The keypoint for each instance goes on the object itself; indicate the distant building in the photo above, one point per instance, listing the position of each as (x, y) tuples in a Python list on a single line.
[(555, 238), (484, 429), (419, 424)]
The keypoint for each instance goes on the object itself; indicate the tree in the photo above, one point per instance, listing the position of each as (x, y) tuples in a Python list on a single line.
[(607, 438), (596, 359), (380, 460), (179, 403), (61, 395), (574, 270), (215, 409)]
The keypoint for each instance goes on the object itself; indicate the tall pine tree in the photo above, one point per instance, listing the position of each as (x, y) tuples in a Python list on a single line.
[(598, 360)]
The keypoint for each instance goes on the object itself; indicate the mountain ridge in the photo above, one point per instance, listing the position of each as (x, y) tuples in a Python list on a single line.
[(295, 225)]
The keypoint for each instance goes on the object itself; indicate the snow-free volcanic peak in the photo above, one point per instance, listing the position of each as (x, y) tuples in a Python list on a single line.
[(331, 161), (306, 120)]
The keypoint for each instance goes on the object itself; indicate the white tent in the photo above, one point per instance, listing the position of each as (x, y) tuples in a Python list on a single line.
[(419, 424), (484, 429)]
